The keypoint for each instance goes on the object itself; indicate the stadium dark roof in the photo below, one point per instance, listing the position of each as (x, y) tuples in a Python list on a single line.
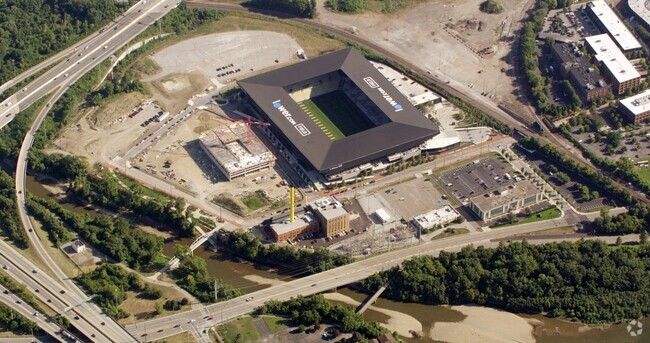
[(407, 126)]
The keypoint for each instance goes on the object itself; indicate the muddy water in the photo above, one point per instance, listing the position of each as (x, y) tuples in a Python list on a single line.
[(551, 331), (244, 276), (233, 271), (36, 188)]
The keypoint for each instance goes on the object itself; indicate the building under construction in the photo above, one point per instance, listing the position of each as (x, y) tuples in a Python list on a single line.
[(236, 151)]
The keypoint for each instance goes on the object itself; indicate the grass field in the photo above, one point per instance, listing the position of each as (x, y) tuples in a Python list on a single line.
[(274, 323), (336, 115), (239, 330)]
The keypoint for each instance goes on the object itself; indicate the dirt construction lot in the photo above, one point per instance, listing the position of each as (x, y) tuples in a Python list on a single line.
[(184, 70), (452, 39)]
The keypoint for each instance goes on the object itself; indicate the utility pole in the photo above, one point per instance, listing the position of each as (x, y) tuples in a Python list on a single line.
[(216, 292)]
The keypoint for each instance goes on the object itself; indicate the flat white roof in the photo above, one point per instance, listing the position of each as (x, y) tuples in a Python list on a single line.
[(639, 7), (612, 57), (614, 25), (442, 215), (442, 140), (415, 92), (383, 215), (328, 207), (638, 104)]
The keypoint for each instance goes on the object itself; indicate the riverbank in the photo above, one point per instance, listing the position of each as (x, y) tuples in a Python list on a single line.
[(484, 324), (394, 321)]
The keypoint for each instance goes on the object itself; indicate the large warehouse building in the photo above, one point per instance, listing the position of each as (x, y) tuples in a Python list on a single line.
[(336, 112)]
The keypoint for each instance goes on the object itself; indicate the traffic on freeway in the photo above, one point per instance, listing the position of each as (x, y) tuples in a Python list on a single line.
[(100, 46), (50, 292), (27, 311)]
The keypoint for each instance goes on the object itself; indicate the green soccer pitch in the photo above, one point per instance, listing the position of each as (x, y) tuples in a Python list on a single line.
[(336, 115)]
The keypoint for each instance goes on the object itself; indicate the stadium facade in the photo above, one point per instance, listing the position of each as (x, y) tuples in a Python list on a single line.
[(365, 118)]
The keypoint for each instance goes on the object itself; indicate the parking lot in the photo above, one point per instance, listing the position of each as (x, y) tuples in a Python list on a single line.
[(476, 178), (568, 190)]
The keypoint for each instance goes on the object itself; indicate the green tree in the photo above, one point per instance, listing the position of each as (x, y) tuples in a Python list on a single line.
[(181, 250)]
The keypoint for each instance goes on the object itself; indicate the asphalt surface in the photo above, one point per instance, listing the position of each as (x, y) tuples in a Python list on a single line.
[(27, 311)]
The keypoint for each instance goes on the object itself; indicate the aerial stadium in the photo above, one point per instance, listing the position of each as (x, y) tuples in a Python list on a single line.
[(336, 111)]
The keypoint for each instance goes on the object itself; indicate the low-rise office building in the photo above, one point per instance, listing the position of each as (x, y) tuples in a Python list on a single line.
[(577, 68), (510, 198), (436, 218), (636, 109), (618, 70), (605, 18), (331, 215)]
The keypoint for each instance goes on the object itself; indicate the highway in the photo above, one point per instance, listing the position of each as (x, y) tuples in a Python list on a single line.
[(98, 47), (28, 312), (91, 321), (92, 313), (64, 302)]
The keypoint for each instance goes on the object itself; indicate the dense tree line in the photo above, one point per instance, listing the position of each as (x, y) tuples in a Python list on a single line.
[(59, 166), (315, 310), (13, 321), (346, 6), (587, 280), (303, 8), (245, 245), (31, 30), (593, 177), (115, 237), (529, 53), (193, 276), (57, 233), (9, 220), (109, 283), (103, 190)]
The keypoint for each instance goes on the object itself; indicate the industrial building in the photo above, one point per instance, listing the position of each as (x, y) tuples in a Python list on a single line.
[(436, 218), (235, 151), (620, 73), (636, 109), (506, 198), (578, 70), (288, 230), (392, 123), (605, 18), (333, 218)]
